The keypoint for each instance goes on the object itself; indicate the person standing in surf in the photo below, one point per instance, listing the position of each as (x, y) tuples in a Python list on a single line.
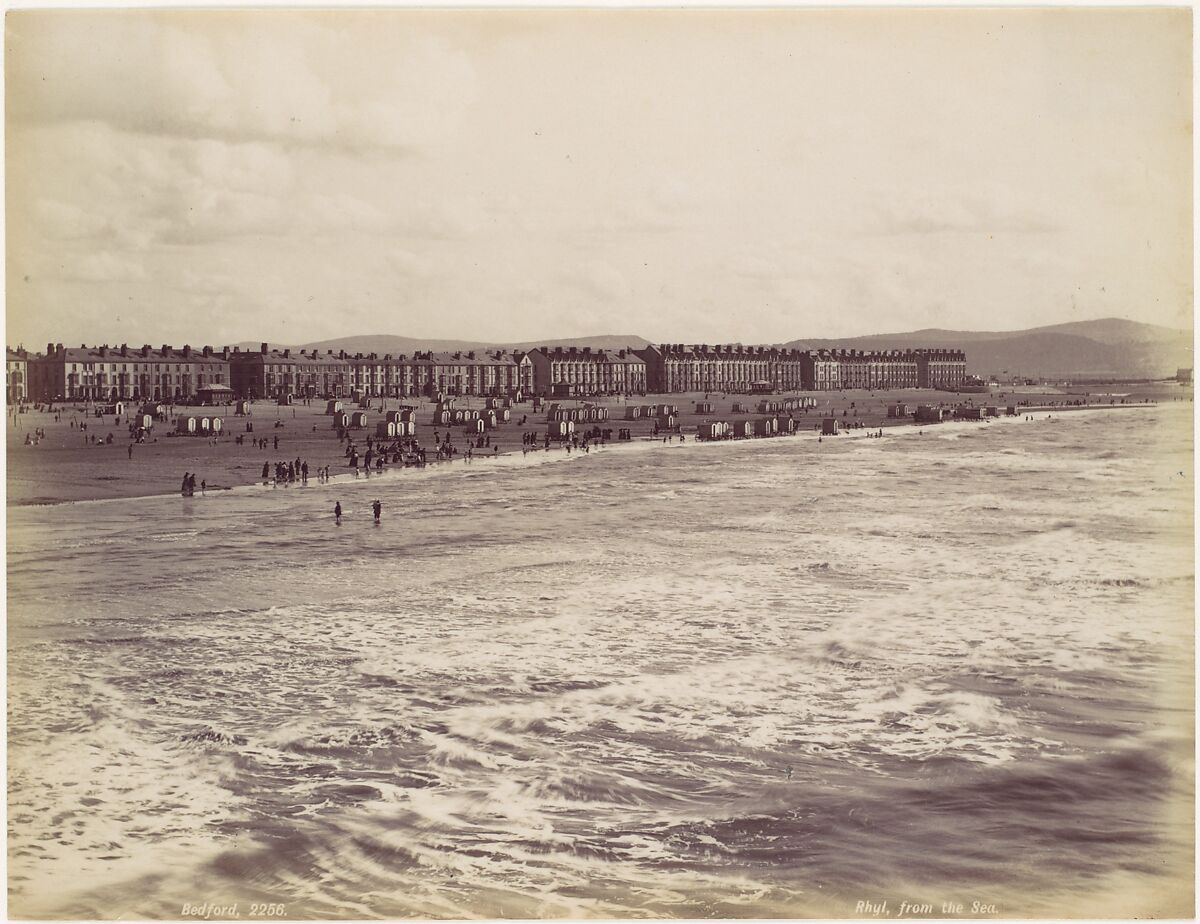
[(378, 508), (337, 513)]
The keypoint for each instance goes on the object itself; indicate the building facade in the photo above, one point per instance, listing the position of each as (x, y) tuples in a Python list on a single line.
[(104, 373), (582, 371), (944, 369), (16, 375)]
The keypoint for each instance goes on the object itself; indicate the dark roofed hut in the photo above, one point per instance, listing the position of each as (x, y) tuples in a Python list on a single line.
[(214, 394)]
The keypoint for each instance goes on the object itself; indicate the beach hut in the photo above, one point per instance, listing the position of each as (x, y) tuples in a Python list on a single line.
[(145, 421), (406, 428), (203, 424), (475, 426), (385, 429), (441, 418), (785, 425), (764, 426), (562, 429), (392, 416), (333, 407), (991, 411), (358, 420), (216, 425), (242, 408), (830, 426), (704, 407), (739, 408), (743, 429), (969, 413), (713, 430), (1011, 411), (285, 400), (185, 425), (341, 420)]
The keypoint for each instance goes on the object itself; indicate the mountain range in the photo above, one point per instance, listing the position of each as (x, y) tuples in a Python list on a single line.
[(1103, 348)]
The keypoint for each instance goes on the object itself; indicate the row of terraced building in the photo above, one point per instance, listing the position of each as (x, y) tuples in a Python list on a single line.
[(187, 374)]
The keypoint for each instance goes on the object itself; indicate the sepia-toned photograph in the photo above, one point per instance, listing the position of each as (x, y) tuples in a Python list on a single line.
[(600, 463)]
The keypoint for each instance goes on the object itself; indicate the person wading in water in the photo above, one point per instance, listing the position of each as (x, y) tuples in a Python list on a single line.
[(337, 513)]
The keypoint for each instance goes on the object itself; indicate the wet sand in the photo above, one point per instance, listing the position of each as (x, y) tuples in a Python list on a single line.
[(65, 467)]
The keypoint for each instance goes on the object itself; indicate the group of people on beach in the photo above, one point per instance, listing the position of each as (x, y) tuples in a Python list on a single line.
[(291, 472)]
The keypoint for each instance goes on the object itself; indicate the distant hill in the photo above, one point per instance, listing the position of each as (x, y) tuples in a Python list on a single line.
[(1104, 348), (1109, 347)]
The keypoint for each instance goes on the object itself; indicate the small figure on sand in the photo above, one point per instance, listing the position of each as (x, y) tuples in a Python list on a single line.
[(378, 508), (337, 513)]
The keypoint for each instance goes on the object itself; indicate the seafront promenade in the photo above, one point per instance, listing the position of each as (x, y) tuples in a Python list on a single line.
[(66, 465)]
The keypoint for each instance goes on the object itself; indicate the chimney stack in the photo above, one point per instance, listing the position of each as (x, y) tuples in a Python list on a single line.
[(263, 349)]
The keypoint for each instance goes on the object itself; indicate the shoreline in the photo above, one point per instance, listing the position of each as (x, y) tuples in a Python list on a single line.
[(514, 459)]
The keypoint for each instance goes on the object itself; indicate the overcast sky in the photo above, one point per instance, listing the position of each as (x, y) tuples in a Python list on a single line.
[(747, 176)]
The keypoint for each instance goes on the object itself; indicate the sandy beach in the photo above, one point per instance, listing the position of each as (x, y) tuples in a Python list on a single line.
[(66, 466)]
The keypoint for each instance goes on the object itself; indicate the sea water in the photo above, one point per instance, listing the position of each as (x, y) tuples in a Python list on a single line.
[(950, 668)]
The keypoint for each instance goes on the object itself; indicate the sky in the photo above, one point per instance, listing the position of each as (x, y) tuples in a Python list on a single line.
[(751, 176)]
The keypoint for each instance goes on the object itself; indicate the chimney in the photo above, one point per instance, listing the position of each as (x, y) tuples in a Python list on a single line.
[(263, 349), (103, 351), (145, 350), (49, 349), (187, 351), (341, 354), (471, 354), (207, 351), (225, 352), (287, 354), (124, 349)]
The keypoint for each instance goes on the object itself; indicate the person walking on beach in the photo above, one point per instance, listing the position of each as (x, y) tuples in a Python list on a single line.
[(377, 507), (337, 513), (131, 450)]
